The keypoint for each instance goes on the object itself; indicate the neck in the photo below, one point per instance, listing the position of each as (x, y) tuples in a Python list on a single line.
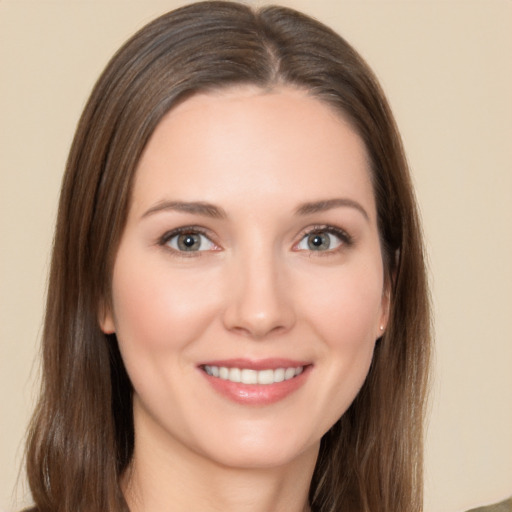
[(229, 491), (165, 477)]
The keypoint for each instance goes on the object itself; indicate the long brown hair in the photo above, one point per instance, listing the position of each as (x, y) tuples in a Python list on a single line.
[(81, 437)]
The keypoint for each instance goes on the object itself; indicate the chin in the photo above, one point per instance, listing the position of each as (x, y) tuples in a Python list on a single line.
[(258, 446), (269, 456)]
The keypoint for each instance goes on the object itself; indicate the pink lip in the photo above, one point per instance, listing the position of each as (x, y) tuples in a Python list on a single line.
[(257, 394)]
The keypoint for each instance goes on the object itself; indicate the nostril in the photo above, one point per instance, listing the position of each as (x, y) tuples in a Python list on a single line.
[(258, 327)]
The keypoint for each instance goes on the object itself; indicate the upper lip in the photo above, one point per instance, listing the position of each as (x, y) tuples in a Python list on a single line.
[(257, 364)]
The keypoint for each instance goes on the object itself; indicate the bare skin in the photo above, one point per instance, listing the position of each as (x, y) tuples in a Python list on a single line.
[(173, 480)]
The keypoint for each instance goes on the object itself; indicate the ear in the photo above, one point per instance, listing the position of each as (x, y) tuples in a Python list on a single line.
[(385, 306), (106, 318)]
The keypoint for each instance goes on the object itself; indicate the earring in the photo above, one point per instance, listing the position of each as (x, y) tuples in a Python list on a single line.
[(381, 327)]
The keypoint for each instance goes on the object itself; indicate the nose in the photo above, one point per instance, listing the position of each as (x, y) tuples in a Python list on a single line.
[(259, 302)]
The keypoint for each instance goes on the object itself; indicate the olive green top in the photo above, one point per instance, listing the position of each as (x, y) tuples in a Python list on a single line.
[(504, 506)]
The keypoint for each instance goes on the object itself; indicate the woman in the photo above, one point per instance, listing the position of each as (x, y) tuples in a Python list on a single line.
[(237, 314)]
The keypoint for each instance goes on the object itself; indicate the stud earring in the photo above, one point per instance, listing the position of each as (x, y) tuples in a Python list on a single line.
[(381, 327)]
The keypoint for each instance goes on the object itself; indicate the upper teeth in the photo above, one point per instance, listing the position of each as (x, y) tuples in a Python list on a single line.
[(247, 376)]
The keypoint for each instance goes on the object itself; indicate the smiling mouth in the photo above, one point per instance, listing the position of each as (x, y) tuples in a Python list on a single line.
[(250, 376)]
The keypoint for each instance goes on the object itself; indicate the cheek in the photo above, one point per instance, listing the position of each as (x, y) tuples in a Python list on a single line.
[(158, 316), (346, 313), (157, 309), (350, 337), (347, 308)]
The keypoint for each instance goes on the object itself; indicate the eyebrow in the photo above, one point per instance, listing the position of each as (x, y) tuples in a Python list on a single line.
[(196, 207), (215, 212), (328, 204)]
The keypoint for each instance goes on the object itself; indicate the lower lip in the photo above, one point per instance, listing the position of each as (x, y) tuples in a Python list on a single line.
[(257, 394)]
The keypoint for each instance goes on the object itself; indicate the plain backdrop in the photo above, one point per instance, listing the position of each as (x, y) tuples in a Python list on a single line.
[(446, 67)]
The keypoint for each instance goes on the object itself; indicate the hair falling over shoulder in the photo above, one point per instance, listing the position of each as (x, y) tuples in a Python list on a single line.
[(81, 437)]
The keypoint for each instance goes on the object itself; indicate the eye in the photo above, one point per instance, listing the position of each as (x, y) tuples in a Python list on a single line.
[(323, 239), (188, 241)]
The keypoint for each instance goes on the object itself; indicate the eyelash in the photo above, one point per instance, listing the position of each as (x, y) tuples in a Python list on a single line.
[(185, 230), (345, 239)]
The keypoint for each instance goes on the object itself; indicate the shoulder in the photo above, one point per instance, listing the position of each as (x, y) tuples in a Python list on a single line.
[(504, 506)]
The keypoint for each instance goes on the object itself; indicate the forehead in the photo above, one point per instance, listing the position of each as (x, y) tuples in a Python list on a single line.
[(276, 145)]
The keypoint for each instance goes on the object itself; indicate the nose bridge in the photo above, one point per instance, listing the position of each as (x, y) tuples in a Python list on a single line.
[(259, 303)]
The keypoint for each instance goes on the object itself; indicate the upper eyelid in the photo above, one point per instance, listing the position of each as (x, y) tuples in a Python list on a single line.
[(346, 240), (319, 228), (163, 242), (171, 233)]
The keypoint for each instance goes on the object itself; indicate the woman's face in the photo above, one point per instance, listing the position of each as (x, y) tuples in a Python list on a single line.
[(248, 287)]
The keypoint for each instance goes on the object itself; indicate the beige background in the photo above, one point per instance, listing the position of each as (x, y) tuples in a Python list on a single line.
[(446, 66)]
